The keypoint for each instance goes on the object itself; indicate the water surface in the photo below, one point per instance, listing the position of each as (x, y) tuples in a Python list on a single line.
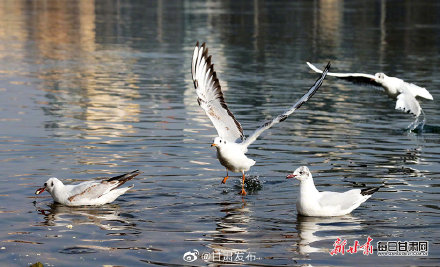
[(98, 88)]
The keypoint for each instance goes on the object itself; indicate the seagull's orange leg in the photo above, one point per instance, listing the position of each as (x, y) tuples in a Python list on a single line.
[(243, 192), (226, 177)]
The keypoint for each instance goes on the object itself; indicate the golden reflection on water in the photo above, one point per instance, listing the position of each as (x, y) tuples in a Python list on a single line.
[(88, 95), (97, 113), (329, 21), (58, 34), (12, 27)]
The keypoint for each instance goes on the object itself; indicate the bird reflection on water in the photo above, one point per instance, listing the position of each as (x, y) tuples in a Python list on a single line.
[(230, 234), (106, 217), (316, 232)]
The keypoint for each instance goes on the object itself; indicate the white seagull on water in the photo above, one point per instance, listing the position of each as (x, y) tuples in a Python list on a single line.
[(396, 88), (230, 150), (311, 202), (87, 193)]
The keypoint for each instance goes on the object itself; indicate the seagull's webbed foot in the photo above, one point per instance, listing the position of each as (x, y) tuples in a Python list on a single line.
[(226, 177), (243, 192)]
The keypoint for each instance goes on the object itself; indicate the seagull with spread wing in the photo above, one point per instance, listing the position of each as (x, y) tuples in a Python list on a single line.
[(396, 88), (231, 144)]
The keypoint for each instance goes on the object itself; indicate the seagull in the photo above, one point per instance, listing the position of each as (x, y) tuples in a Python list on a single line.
[(405, 93), (311, 202), (88, 193), (230, 143)]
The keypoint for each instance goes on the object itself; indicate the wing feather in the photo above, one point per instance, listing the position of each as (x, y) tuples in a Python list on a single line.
[(92, 189), (406, 102), (344, 200), (419, 91), (210, 95), (288, 112), (359, 78)]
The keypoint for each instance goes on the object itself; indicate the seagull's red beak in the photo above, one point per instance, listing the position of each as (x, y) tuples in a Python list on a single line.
[(213, 145), (40, 190), (290, 176)]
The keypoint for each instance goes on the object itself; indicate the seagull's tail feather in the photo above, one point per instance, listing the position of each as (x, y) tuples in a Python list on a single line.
[(369, 190), (122, 179)]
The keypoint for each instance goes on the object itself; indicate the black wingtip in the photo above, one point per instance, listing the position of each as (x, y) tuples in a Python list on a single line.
[(318, 83), (122, 179), (369, 190), (202, 46), (125, 177), (328, 66)]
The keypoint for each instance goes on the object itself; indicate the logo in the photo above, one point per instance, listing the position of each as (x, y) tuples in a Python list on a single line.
[(339, 247), (191, 256), (402, 248), (384, 248)]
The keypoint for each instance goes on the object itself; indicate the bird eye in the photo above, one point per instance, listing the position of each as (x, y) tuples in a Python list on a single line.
[(51, 184), (45, 184), (301, 173), (220, 141)]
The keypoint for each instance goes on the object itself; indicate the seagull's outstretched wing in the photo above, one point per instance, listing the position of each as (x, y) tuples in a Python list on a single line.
[(286, 114), (418, 91), (406, 102), (93, 189), (359, 78), (210, 95)]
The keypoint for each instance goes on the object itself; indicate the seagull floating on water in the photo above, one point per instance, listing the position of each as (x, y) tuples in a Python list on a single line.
[(230, 143), (311, 202), (88, 193), (396, 88)]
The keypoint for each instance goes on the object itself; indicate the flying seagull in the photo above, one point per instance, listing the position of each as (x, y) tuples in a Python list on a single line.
[(396, 88), (88, 193), (312, 202), (231, 144)]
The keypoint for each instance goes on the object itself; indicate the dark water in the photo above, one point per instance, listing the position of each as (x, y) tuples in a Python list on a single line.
[(99, 88)]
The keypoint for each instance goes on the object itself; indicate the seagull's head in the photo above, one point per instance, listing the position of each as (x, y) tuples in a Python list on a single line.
[(218, 142), (380, 75), (302, 174), (49, 186)]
